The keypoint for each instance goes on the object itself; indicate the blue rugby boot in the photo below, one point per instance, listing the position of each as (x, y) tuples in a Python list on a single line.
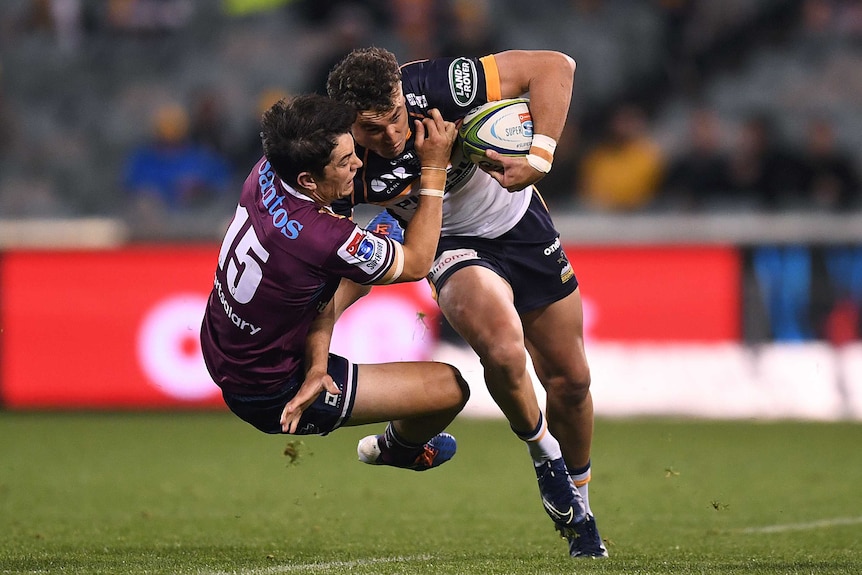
[(439, 449), (385, 224), (561, 499), (584, 539)]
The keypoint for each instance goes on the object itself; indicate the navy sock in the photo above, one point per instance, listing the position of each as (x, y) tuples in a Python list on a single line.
[(397, 449)]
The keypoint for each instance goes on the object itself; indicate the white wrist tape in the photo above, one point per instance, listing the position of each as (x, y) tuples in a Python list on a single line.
[(541, 154), (544, 142), (539, 164), (431, 192)]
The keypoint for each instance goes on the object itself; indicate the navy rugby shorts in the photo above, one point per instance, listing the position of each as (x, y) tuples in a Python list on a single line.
[(529, 257), (327, 413)]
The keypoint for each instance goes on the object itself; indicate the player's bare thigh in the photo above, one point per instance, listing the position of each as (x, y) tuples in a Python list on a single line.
[(403, 390), (479, 305), (555, 339)]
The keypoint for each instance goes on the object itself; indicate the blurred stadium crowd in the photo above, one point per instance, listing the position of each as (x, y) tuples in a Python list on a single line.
[(142, 108)]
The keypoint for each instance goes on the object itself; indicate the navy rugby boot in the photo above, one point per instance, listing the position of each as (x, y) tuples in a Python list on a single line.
[(439, 449), (584, 539), (561, 499)]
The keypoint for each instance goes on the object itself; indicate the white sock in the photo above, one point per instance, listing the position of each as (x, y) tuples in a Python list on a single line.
[(541, 444), (581, 478)]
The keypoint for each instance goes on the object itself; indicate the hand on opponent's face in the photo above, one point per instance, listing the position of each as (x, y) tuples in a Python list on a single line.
[(434, 139)]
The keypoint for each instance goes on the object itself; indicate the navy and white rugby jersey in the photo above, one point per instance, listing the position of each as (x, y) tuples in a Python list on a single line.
[(280, 263), (475, 204)]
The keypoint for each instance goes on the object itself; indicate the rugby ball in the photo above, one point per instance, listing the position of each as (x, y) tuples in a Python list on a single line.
[(504, 126)]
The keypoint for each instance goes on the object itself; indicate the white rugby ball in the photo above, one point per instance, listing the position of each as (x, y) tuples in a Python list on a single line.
[(504, 126)]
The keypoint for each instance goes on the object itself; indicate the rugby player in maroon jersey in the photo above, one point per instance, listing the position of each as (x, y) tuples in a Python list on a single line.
[(288, 267)]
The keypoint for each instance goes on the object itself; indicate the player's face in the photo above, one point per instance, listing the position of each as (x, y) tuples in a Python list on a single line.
[(337, 181), (384, 133)]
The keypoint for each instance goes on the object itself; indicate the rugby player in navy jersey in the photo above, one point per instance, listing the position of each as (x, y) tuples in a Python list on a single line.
[(501, 276), (287, 268)]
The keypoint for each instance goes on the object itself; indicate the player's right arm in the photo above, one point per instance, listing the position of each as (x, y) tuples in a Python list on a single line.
[(548, 77), (413, 259)]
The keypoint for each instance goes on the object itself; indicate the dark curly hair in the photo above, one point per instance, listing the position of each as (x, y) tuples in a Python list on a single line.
[(299, 135), (365, 79)]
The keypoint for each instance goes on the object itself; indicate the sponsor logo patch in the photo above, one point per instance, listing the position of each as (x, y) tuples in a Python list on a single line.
[(448, 259), (272, 201), (392, 180), (418, 100), (463, 81), (364, 250), (566, 273), (553, 247)]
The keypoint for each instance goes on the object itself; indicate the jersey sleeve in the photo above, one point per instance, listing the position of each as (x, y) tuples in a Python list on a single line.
[(453, 85), (362, 256)]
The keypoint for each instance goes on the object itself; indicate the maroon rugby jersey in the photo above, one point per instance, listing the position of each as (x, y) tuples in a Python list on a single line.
[(280, 263)]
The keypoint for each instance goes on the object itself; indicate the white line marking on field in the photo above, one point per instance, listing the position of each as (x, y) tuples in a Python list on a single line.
[(803, 526), (319, 567)]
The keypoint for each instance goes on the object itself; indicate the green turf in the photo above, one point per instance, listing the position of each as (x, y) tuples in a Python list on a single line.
[(206, 494)]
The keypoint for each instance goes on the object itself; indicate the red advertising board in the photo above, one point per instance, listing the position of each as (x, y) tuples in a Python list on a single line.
[(119, 329), (105, 328), (661, 294)]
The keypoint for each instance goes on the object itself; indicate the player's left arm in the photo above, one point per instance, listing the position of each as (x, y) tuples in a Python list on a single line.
[(317, 342), (348, 293), (548, 77), (317, 380)]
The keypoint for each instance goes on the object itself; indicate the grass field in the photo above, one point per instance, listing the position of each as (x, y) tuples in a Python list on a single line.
[(205, 494)]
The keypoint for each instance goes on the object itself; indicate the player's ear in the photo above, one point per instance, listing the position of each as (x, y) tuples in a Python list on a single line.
[(306, 181)]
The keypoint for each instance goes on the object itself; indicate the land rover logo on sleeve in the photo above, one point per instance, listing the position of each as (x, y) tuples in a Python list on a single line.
[(462, 81)]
